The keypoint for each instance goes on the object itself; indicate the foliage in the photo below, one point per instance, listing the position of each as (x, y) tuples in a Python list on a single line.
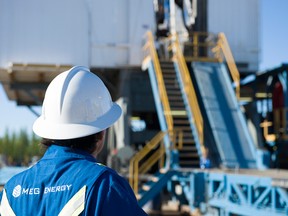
[(18, 149)]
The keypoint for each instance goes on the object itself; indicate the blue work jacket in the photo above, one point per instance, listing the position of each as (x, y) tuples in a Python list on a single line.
[(69, 182)]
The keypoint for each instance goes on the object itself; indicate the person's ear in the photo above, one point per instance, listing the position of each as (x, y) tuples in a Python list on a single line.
[(100, 143), (102, 135)]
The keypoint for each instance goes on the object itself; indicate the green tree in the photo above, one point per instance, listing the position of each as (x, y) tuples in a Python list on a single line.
[(19, 148)]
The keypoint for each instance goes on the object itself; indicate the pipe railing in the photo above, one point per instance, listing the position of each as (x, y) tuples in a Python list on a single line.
[(150, 47), (151, 153), (200, 48), (190, 92), (222, 44), (208, 47)]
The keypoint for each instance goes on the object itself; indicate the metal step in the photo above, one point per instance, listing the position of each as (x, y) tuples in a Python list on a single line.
[(181, 122), (188, 155), (174, 93), (189, 148), (190, 163)]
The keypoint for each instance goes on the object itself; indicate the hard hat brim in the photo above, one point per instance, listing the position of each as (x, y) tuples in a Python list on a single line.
[(61, 131)]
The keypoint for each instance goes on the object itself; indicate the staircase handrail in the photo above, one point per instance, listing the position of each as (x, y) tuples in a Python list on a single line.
[(150, 46), (200, 45), (190, 92), (157, 145), (223, 45), (219, 46)]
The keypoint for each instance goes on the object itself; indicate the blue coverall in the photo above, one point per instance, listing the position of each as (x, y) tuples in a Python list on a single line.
[(70, 181)]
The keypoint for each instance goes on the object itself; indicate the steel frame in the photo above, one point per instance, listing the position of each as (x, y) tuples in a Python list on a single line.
[(233, 193), (246, 194)]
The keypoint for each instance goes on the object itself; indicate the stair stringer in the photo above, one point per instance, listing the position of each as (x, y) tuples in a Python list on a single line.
[(159, 109)]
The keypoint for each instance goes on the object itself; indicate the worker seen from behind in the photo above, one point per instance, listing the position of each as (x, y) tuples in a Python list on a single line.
[(76, 112)]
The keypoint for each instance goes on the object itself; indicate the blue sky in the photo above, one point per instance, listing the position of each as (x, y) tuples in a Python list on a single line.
[(274, 34)]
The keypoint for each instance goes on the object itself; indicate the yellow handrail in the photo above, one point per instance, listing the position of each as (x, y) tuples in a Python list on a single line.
[(200, 48), (190, 92), (224, 46), (214, 48), (160, 81), (137, 164), (134, 162)]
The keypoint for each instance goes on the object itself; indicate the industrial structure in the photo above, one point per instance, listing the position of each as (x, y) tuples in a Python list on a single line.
[(204, 125)]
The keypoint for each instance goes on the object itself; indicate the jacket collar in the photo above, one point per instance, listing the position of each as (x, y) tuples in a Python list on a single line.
[(56, 151)]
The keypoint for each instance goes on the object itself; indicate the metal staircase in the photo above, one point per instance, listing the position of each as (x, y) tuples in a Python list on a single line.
[(188, 155), (180, 143), (175, 146), (179, 146)]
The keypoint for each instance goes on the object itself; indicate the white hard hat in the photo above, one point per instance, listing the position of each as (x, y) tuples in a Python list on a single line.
[(76, 104)]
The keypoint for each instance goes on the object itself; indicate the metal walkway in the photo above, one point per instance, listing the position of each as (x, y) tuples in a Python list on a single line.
[(235, 192), (224, 116)]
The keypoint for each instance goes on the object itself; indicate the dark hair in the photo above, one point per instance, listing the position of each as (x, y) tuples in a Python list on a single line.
[(87, 143)]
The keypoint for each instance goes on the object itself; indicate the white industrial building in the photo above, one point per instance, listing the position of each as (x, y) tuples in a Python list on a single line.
[(110, 34)]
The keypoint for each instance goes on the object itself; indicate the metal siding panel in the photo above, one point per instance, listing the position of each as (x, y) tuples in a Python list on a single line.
[(239, 20), (141, 19), (109, 33), (44, 32), (93, 32), (118, 41)]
